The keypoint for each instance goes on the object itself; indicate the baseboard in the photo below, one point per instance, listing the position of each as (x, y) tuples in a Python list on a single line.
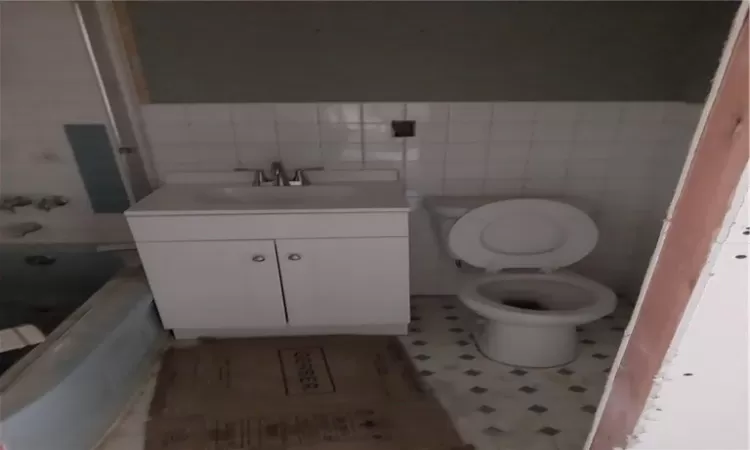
[(396, 329)]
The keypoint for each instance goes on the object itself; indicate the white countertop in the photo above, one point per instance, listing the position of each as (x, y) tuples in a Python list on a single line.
[(210, 199)]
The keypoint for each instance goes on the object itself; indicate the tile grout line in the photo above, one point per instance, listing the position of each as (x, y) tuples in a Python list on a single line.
[(362, 135), (487, 148)]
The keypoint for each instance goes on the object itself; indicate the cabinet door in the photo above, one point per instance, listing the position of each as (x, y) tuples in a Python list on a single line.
[(215, 284), (345, 281)]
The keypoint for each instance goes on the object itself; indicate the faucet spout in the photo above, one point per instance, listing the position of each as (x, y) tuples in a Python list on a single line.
[(279, 174)]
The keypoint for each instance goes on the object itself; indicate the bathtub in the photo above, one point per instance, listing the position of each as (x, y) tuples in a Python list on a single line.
[(66, 392)]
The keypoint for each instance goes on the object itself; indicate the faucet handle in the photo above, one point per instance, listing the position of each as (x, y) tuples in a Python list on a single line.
[(299, 172), (300, 178), (259, 175)]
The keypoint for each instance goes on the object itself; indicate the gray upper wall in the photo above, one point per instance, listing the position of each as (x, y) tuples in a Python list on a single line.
[(221, 52)]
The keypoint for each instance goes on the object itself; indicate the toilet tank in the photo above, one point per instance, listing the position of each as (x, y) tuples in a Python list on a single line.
[(444, 211)]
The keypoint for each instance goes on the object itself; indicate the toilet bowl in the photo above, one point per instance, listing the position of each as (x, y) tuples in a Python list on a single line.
[(531, 307)]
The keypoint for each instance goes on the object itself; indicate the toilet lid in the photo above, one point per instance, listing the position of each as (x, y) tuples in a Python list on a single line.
[(523, 233)]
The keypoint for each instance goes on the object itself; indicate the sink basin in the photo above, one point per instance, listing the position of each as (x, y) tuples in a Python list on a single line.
[(237, 198), (276, 195)]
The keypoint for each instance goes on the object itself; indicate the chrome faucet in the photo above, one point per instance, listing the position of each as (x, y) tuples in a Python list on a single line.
[(279, 174), (259, 177)]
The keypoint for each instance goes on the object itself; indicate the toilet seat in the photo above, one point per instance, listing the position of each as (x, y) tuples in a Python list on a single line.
[(531, 315), (602, 300), (523, 233), (530, 234)]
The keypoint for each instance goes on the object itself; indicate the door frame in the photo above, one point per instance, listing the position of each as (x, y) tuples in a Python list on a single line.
[(98, 25), (710, 177)]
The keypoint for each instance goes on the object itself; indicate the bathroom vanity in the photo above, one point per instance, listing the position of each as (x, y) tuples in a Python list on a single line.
[(230, 260)]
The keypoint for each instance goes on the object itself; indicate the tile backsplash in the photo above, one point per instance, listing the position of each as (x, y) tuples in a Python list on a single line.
[(459, 148), (619, 161)]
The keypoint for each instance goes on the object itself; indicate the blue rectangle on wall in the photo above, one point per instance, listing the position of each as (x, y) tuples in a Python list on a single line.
[(96, 163)]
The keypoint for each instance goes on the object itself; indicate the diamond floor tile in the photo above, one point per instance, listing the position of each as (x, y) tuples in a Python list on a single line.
[(498, 406)]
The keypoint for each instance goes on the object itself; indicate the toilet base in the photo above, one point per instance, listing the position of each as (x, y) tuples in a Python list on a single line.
[(526, 346)]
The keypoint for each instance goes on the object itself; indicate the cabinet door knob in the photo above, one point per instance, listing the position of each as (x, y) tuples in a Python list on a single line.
[(294, 257), (259, 258)]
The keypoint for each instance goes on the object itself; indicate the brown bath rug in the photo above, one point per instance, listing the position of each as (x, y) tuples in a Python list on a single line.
[(321, 393)]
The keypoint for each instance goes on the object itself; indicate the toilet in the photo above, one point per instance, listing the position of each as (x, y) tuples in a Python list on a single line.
[(531, 304)]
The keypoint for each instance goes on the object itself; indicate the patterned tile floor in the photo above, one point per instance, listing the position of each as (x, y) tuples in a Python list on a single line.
[(494, 406)]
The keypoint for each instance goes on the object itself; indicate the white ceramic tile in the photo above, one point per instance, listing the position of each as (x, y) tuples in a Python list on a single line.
[(341, 132), (515, 149), (167, 132), (508, 187), (300, 155), (202, 113), (431, 132), (383, 112), (596, 131), (545, 168), (296, 112), (459, 132), (546, 185), (427, 112), (550, 149), (297, 132), (384, 156), (257, 155), (211, 132), (465, 171), (583, 185), (687, 113), (425, 186), (216, 155), (255, 132), (678, 132), (600, 112), (512, 131), (593, 167), (470, 112), (252, 113), (416, 171), (643, 112), (197, 157), (343, 155), (427, 153), (513, 111), (466, 154), (506, 168), (556, 111), (593, 149), (463, 187), (553, 131), (379, 132), (640, 131), (336, 113)]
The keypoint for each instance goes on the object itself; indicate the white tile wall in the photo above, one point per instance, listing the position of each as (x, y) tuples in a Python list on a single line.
[(46, 81), (619, 161)]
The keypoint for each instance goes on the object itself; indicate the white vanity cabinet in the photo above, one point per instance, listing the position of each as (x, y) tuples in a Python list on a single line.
[(231, 270), (215, 284), (345, 282)]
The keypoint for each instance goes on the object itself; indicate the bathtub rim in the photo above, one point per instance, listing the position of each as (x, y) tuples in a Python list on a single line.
[(130, 279)]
